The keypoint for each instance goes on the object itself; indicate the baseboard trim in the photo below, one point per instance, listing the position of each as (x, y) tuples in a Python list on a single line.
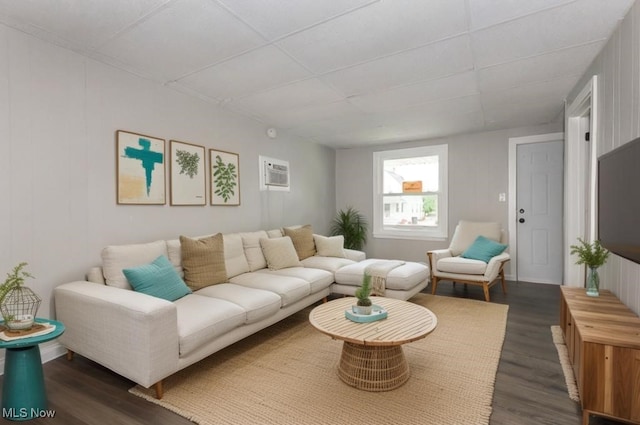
[(48, 352)]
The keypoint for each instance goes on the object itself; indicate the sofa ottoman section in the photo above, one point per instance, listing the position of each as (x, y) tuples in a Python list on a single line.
[(290, 289), (201, 319), (257, 303), (402, 282)]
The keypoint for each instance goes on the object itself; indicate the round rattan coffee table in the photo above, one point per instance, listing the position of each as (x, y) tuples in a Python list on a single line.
[(372, 358)]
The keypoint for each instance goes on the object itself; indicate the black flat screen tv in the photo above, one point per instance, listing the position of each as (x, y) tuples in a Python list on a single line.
[(619, 200)]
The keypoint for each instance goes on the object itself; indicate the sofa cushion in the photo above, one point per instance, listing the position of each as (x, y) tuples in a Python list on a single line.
[(253, 250), (275, 233), (257, 303), (318, 279), (400, 278), (235, 261), (330, 264), (202, 319), (115, 258), (329, 246), (483, 249), (290, 289), (158, 279), (461, 265), (302, 238), (174, 251), (279, 253), (203, 261), (467, 231)]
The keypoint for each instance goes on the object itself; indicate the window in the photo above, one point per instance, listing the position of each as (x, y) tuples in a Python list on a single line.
[(410, 193)]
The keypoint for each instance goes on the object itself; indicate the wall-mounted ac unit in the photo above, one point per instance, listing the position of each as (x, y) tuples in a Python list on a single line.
[(274, 174)]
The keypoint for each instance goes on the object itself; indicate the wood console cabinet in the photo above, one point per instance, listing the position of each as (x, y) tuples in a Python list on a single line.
[(603, 340)]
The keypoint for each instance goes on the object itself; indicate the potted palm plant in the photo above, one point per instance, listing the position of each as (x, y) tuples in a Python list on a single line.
[(593, 255), (352, 225)]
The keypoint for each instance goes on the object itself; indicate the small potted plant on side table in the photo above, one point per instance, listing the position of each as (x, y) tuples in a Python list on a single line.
[(364, 304), (593, 255), (18, 304)]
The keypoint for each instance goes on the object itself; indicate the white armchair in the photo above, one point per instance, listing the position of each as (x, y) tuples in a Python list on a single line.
[(448, 264)]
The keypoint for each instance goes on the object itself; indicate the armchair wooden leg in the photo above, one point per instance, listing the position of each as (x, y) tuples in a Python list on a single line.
[(504, 284), (485, 287), (69, 355), (434, 285), (324, 300), (159, 390)]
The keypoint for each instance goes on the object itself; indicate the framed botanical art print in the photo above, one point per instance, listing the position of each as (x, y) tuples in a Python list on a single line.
[(187, 172), (140, 163), (224, 175)]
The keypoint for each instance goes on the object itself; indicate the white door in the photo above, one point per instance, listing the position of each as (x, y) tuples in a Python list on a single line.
[(539, 191)]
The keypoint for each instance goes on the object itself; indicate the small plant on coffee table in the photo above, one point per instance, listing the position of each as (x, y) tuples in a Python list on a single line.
[(362, 294)]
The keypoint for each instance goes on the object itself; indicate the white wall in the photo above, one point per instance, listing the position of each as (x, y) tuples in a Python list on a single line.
[(618, 71), (59, 112), (478, 172)]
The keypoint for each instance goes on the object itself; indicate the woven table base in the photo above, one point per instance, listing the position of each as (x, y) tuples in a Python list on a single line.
[(373, 368)]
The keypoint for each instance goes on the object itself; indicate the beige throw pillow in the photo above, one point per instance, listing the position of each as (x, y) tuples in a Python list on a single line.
[(329, 246), (279, 253), (467, 231), (302, 238), (203, 261)]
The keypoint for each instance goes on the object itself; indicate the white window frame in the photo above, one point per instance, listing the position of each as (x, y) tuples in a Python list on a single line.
[(425, 233)]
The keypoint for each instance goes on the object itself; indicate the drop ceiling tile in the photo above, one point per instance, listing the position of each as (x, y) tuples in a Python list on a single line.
[(484, 13), (340, 125), (435, 60), (257, 70), (182, 38), (321, 112), (81, 23), (544, 67), (274, 19), (553, 92), (458, 85), (531, 114), (295, 95), (375, 31), (546, 31), (440, 108)]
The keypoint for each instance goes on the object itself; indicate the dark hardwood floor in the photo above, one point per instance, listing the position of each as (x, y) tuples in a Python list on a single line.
[(529, 389)]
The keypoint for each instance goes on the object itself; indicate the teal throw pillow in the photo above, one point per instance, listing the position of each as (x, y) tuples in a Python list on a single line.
[(483, 249), (158, 279)]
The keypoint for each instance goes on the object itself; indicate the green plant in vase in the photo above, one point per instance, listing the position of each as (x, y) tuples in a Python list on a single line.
[(18, 304), (593, 255), (364, 304), (352, 225)]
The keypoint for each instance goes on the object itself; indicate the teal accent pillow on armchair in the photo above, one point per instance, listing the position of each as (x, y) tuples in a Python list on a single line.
[(483, 249), (158, 279)]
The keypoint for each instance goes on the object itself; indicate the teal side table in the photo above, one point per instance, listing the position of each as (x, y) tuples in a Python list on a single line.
[(23, 393)]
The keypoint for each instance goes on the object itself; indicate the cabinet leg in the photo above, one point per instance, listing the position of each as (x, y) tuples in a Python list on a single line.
[(585, 417)]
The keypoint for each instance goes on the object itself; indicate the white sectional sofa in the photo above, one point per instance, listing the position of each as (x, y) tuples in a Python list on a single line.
[(146, 339)]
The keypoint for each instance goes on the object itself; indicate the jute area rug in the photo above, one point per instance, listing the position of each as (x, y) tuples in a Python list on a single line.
[(563, 355), (286, 374)]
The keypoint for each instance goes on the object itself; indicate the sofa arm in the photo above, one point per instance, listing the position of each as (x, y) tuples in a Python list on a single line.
[(354, 255), (434, 255), (495, 265), (133, 334)]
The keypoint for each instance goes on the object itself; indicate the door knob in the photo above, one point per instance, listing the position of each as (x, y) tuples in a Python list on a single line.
[(521, 220)]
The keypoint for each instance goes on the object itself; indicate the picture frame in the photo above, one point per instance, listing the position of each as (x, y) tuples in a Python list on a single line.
[(140, 169), (187, 174), (224, 178)]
